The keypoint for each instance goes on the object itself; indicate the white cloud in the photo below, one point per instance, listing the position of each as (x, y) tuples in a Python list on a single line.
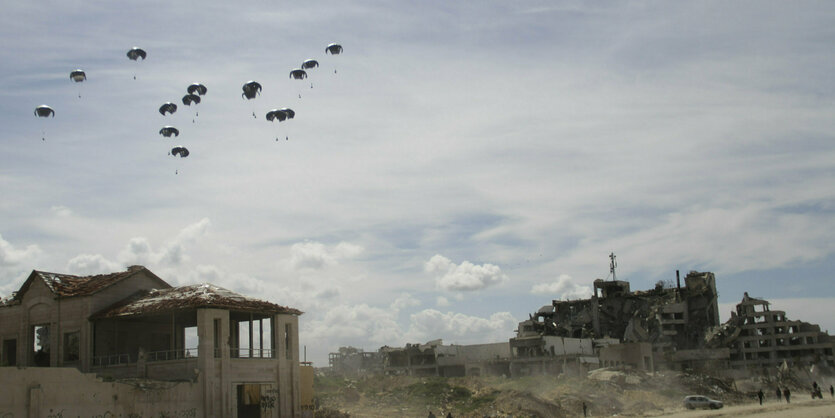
[(442, 301), (563, 288), (15, 264), (88, 264), (11, 256), (460, 328), (465, 276), (315, 255), (173, 253), (354, 325), (405, 300)]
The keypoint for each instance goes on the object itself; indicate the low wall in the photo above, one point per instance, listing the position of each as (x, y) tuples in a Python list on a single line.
[(66, 392)]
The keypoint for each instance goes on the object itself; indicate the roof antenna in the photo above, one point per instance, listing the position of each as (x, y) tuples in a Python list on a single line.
[(612, 265)]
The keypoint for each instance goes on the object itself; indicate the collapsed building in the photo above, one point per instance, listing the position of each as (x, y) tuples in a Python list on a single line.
[(644, 330), (130, 344), (761, 338), (668, 327), (672, 320), (352, 362)]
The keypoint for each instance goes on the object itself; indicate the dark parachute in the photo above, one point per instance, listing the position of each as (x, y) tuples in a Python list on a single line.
[(289, 112), (179, 151), (188, 99), (308, 64), (135, 53), (298, 74), (197, 88), (251, 89), (44, 111), (276, 114), (333, 49), (167, 107), (281, 115), (167, 131), (78, 76)]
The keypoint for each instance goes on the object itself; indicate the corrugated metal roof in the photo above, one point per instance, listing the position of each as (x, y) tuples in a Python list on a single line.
[(157, 301)]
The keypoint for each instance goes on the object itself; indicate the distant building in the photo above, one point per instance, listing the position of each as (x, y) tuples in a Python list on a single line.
[(761, 338), (669, 318), (130, 344)]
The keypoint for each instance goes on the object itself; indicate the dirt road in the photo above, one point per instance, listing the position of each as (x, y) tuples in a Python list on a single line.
[(799, 408)]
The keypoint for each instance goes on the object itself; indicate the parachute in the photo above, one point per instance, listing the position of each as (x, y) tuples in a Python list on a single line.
[(298, 74), (167, 131), (251, 89), (44, 111), (333, 49), (289, 112), (78, 76), (276, 114), (198, 88), (167, 107), (188, 99), (280, 115), (179, 151), (135, 53), (308, 64)]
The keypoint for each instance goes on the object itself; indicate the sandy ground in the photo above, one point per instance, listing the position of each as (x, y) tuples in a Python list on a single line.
[(800, 408)]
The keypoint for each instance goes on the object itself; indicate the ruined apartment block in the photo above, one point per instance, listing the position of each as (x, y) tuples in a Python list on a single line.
[(760, 338), (671, 326), (671, 319), (130, 344)]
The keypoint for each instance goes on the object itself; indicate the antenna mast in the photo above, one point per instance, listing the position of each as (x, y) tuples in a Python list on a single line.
[(612, 264)]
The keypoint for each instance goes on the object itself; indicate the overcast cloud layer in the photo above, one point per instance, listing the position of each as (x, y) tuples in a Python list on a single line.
[(459, 166)]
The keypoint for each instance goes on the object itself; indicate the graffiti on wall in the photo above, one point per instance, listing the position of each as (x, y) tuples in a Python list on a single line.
[(178, 413)]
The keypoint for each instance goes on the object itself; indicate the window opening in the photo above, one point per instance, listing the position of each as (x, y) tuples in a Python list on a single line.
[(71, 346), (40, 347)]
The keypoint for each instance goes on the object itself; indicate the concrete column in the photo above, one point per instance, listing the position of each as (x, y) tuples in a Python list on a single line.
[(206, 363)]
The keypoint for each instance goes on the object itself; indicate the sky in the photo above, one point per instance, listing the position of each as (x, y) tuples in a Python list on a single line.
[(458, 166)]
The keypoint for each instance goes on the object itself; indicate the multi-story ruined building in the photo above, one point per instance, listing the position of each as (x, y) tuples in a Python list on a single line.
[(670, 318), (761, 338), (130, 344), (351, 361)]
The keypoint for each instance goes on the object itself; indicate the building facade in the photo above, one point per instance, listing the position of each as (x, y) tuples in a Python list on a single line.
[(129, 343)]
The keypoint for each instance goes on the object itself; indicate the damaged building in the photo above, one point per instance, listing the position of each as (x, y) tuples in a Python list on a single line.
[(672, 326), (761, 338), (673, 320), (436, 359), (352, 362), (130, 344)]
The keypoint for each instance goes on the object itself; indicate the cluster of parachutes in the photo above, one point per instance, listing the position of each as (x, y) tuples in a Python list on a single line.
[(251, 89), (194, 92)]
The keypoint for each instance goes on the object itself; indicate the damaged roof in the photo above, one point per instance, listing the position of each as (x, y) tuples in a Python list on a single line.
[(159, 301), (67, 285)]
